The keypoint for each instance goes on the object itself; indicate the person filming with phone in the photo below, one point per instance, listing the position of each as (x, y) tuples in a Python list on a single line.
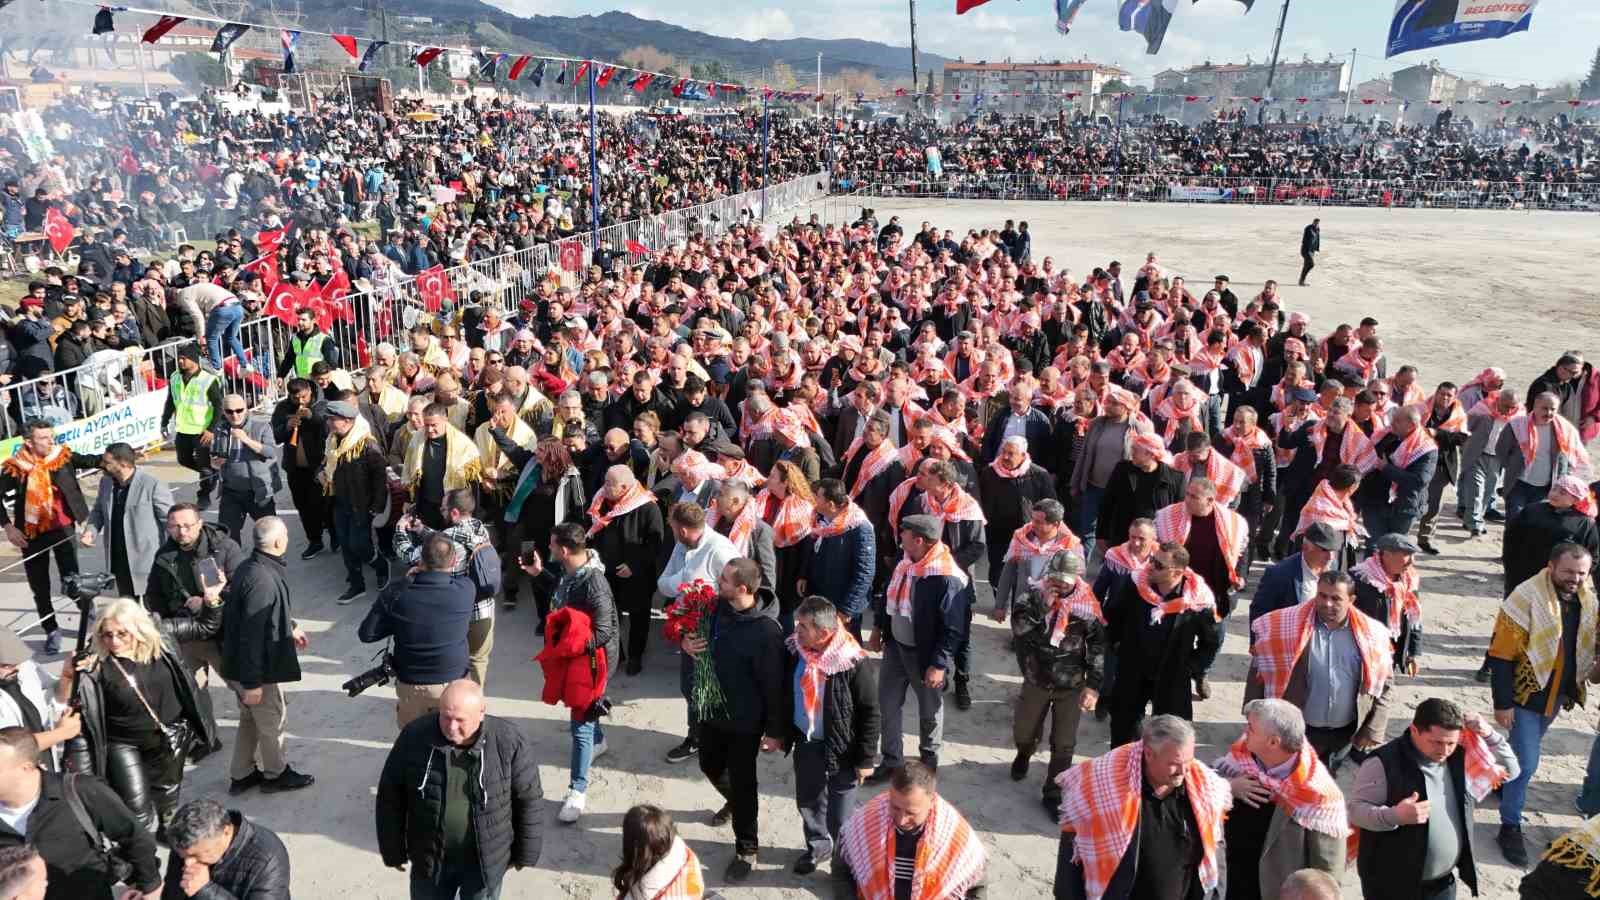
[(426, 615)]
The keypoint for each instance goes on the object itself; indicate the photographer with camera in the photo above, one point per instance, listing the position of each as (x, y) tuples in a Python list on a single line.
[(48, 505), (196, 556), (76, 866), (478, 560), (582, 588), (260, 644), (426, 615)]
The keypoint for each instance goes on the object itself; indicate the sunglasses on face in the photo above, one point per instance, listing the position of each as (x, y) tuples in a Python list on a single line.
[(235, 412)]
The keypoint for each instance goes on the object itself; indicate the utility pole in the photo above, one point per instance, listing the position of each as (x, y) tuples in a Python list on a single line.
[(1350, 91), (818, 98), (1277, 45), (913, 44)]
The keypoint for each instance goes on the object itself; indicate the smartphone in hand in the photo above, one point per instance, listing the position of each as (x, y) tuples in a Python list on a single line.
[(210, 573)]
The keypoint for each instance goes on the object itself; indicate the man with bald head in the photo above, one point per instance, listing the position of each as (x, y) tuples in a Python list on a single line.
[(245, 458), (459, 800), (260, 653)]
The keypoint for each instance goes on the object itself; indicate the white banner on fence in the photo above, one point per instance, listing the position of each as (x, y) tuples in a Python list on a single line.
[(1209, 194), (136, 421)]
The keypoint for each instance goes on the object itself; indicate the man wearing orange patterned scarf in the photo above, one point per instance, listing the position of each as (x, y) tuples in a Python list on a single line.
[(1319, 446), (1413, 803), (1388, 589), (910, 842), (836, 721), (1288, 814), (1535, 450), (1215, 537), (924, 617), (1161, 624), (1394, 495), (42, 477), (936, 492), (1331, 660), (1010, 486), (1144, 820), (1480, 464)]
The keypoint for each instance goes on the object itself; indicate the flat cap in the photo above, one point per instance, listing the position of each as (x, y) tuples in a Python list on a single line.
[(1304, 395), (1396, 542), (1320, 534), (926, 527), (343, 409)]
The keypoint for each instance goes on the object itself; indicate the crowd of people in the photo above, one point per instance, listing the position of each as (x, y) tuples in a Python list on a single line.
[(821, 450)]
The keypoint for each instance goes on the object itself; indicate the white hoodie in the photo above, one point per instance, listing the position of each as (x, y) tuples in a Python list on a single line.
[(704, 562)]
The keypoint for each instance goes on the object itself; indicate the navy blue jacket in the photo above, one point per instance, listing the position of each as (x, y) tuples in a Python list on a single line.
[(842, 569), (939, 605), (1278, 588), (427, 617), (1410, 483), (1038, 432)]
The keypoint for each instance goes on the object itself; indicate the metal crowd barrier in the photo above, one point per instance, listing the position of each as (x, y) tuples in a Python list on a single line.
[(1374, 192)]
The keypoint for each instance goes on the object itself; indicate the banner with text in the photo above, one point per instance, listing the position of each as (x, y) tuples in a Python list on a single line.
[(1422, 24), (135, 421)]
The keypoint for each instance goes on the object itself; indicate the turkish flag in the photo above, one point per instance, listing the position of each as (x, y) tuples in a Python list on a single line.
[(570, 255), (266, 268), (284, 301), (363, 353), (433, 286), (964, 5), (58, 230), (348, 42), (268, 241), (310, 300), (637, 248), (129, 164)]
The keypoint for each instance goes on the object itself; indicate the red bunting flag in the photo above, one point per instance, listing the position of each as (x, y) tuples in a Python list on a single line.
[(58, 230), (434, 287), (637, 248), (642, 82), (605, 76), (428, 55), (517, 67), (348, 42), (161, 27), (965, 5), (677, 88), (583, 69)]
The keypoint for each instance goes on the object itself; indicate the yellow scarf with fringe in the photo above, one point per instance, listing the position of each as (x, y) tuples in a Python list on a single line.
[(344, 449), (462, 465), (495, 463), (1579, 850), (1535, 608)]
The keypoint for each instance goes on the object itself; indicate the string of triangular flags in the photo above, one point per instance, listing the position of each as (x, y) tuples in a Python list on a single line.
[(562, 70)]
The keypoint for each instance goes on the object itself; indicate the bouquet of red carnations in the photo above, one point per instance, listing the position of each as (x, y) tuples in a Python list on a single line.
[(690, 616)]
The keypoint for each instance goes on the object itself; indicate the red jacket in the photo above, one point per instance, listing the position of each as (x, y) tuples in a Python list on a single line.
[(1590, 407), (572, 675)]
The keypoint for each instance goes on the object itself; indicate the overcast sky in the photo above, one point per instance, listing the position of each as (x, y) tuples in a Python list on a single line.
[(1558, 47)]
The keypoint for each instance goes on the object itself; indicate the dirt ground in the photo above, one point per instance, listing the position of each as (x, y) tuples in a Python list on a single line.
[(1455, 291)]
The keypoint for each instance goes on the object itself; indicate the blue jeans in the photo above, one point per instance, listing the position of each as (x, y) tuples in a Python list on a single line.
[(1589, 796), (449, 883), (584, 736), (223, 323), (1527, 736)]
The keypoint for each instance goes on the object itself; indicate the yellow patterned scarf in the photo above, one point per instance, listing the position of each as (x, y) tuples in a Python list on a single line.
[(1579, 850), (493, 461), (1535, 608), (343, 449), (462, 466)]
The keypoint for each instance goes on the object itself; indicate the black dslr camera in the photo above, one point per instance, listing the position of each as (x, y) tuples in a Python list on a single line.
[(84, 587), (377, 676)]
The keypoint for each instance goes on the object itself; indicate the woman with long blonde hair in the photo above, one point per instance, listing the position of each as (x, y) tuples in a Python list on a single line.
[(786, 504), (141, 712)]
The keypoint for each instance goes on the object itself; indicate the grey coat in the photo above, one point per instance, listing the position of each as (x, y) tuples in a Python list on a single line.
[(144, 521), (1290, 847), (1509, 453), (242, 464), (1478, 429)]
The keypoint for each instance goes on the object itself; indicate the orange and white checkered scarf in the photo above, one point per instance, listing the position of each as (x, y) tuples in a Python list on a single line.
[(1100, 803), (1402, 591), (1482, 771), (851, 517), (1233, 532), (792, 524), (1309, 794), (1025, 544), (743, 525), (1194, 595), (1245, 446), (958, 507), (1229, 478), (876, 460), (38, 492), (1487, 407), (1412, 447), (1565, 435), (1022, 468), (676, 876), (939, 561), (1355, 448), (840, 655), (1121, 559), (1327, 507), (1281, 637), (950, 858), (1455, 418), (1183, 403), (1080, 602), (636, 497)]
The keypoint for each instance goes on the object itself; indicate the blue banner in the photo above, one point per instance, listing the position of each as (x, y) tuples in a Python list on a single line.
[(1424, 24)]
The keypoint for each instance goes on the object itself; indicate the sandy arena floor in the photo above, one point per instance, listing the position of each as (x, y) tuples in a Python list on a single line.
[(1455, 291)]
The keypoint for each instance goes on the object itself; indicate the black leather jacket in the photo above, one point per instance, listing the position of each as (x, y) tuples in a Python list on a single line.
[(87, 752)]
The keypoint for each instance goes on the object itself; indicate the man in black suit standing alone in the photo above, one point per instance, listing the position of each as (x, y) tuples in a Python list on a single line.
[(1310, 245)]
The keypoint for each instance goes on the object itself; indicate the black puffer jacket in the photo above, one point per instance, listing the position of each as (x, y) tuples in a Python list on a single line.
[(747, 650), (508, 825), (850, 717), (255, 866)]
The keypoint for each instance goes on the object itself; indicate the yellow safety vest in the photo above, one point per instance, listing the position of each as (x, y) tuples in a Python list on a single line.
[(307, 354), (193, 407)]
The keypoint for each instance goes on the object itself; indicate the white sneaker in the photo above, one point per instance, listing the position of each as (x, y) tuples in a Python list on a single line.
[(573, 808), (599, 750)]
